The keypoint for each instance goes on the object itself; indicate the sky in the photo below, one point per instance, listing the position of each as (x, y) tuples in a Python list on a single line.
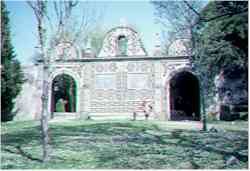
[(136, 13)]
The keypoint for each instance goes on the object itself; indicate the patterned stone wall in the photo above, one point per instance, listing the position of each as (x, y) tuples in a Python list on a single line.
[(116, 86)]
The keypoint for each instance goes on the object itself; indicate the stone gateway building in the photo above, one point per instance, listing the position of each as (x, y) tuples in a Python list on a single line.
[(119, 80)]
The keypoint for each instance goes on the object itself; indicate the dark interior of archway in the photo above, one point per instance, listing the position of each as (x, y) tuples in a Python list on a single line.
[(63, 94), (184, 97)]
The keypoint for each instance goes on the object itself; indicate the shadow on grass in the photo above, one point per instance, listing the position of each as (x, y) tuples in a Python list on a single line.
[(113, 140), (19, 151)]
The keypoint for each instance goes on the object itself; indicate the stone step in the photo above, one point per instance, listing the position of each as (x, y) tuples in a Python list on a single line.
[(64, 116), (106, 116)]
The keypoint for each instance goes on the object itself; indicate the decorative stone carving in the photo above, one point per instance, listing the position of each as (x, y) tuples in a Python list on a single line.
[(106, 67), (134, 44)]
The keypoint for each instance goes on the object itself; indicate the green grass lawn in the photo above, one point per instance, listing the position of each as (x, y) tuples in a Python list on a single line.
[(125, 145)]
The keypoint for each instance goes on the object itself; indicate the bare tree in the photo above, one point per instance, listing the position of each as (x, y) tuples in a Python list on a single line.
[(68, 26), (39, 9), (63, 25), (178, 18)]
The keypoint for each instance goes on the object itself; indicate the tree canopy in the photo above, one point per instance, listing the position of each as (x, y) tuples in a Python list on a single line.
[(221, 39)]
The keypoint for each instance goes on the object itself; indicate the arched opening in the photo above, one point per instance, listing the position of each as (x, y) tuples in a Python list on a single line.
[(63, 97), (184, 97), (122, 45)]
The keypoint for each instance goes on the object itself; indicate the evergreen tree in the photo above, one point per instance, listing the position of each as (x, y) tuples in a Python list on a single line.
[(11, 73)]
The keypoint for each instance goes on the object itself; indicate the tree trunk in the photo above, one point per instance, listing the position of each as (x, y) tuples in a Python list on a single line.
[(204, 117), (44, 117)]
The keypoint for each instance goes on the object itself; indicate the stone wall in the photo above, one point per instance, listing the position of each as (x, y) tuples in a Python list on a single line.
[(115, 86), (120, 85)]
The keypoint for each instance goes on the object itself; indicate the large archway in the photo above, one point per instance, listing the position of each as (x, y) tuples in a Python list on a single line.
[(184, 97), (63, 97)]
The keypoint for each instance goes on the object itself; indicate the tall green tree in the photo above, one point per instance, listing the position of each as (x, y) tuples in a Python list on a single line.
[(11, 73), (221, 38)]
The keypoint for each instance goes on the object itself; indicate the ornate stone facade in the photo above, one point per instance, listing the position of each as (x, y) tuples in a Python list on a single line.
[(114, 84), (110, 43)]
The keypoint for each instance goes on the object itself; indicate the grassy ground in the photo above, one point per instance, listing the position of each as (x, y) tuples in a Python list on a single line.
[(125, 145)]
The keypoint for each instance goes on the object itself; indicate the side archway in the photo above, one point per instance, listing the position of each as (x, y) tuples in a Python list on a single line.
[(63, 98), (68, 91), (183, 96)]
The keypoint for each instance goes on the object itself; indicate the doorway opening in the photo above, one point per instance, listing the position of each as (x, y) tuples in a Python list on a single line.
[(184, 97), (63, 97)]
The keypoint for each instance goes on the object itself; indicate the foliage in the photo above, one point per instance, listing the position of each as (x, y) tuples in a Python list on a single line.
[(123, 145), (224, 41), (221, 43), (11, 73)]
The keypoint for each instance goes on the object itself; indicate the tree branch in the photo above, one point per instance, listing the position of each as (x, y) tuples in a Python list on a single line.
[(190, 7)]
